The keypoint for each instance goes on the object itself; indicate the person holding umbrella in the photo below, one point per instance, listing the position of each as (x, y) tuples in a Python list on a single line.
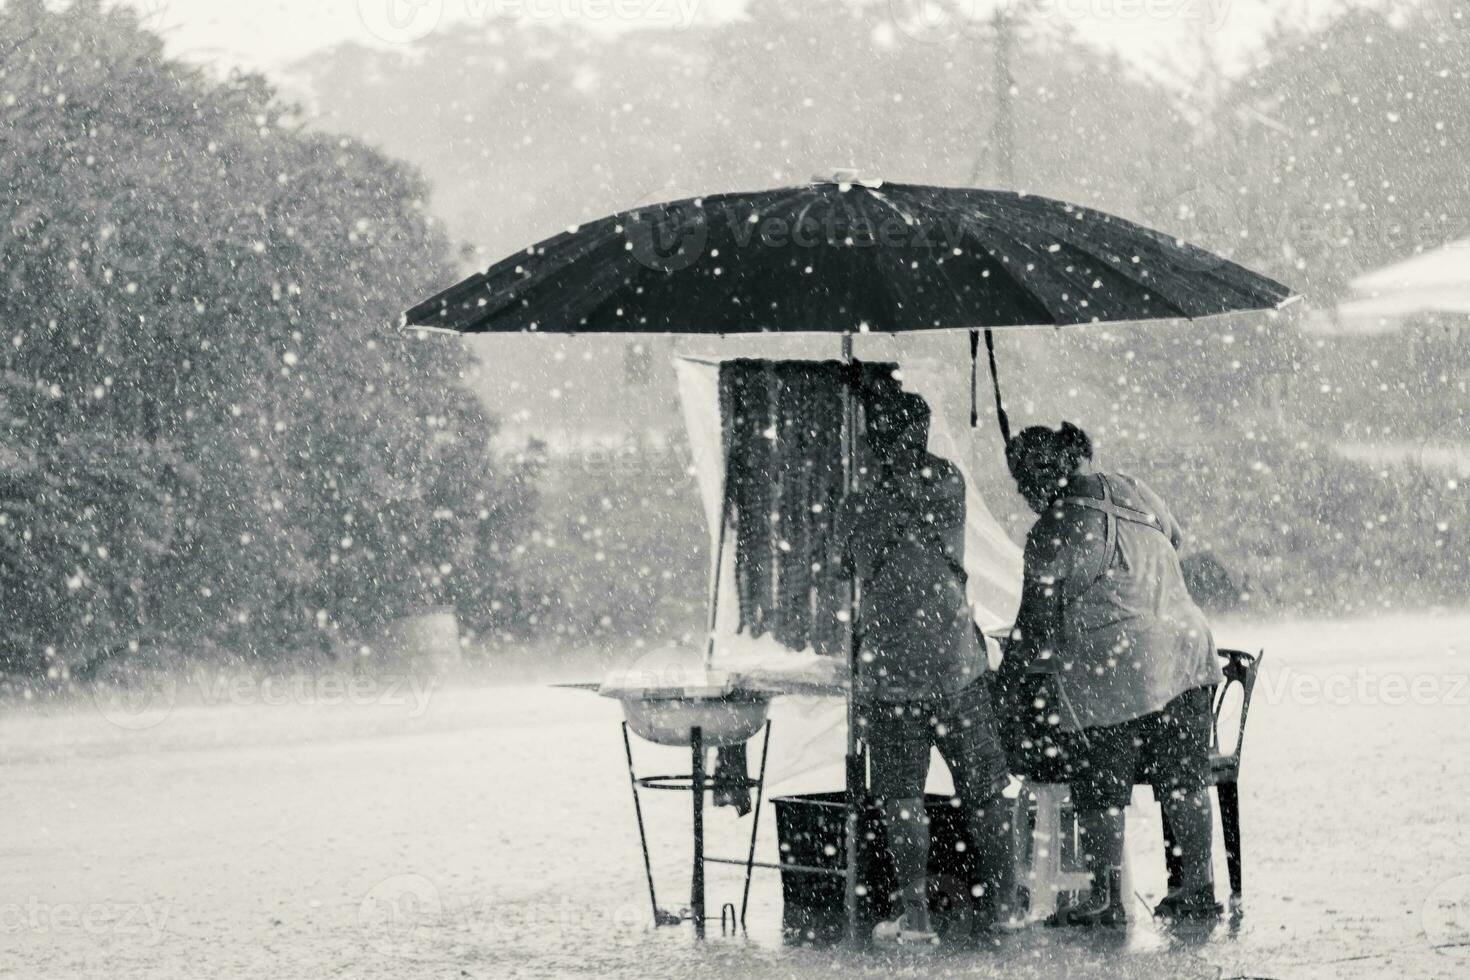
[(1106, 614), (922, 681)]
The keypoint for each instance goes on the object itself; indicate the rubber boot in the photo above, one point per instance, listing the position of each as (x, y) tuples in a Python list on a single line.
[(1103, 906), (1187, 904)]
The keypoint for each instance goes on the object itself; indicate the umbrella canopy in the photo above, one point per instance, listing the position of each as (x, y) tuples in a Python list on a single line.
[(848, 257)]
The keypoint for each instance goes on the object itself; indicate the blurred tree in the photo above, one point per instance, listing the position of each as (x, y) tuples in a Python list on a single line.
[(579, 123), (1282, 166), (215, 432), (1343, 148)]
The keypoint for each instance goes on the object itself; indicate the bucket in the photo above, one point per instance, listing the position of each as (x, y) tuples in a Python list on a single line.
[(810, 832)]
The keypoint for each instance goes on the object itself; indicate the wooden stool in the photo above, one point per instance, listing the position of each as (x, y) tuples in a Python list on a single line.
[(1052, 866)]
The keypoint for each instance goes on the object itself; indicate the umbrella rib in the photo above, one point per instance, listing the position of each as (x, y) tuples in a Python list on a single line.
[(1022, 281), (1100, 253), (547, 254), (1162, 268), (892, 205)]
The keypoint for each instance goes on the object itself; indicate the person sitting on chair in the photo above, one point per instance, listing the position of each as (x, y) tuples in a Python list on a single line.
[(922, 674), (1105, 612)]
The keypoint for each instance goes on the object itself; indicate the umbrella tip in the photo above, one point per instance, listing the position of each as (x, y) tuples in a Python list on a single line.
[(843, 175)]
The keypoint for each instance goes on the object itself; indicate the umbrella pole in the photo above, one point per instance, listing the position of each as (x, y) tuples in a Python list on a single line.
[(854, 776)]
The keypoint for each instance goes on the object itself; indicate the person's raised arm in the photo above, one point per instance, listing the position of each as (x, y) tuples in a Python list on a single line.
[(861, 531), (938, 495), (1158, 505), (1038, 623)]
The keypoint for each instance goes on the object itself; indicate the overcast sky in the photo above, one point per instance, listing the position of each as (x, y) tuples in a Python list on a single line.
[(267, 33)]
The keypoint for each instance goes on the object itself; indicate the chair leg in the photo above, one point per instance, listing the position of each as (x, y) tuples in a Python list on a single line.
[(1229, 796), (1172, 859)]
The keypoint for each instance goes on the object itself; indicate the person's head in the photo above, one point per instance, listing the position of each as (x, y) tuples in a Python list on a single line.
[(1044, 460), (898, 425)]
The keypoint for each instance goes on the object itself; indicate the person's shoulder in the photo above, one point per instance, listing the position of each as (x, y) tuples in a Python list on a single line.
[(1050, 522), (941, 473), (940, 468), (1138, 487), (1048, 536), (1085, 485), (1128, 479)]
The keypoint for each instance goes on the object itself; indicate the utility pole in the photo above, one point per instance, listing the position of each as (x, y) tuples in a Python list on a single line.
[(1005, 123), (1000, 151)]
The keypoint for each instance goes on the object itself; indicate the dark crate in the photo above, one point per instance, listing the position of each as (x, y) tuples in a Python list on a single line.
[(809, 829)]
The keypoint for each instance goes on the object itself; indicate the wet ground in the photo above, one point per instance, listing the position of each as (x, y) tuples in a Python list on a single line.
[(317, 829)]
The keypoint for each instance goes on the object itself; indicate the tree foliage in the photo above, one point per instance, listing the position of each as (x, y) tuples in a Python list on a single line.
[(1340, 149), (211, 430)]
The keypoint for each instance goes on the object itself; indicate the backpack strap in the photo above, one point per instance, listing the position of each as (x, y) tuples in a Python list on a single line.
[(1113, 512), (1074, 586), (1116, 510)]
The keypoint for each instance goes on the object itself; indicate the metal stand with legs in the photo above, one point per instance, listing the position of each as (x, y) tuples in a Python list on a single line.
[(696, 788), (697, 784)]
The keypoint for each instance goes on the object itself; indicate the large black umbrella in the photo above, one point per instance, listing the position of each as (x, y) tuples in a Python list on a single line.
[(848, 257)]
